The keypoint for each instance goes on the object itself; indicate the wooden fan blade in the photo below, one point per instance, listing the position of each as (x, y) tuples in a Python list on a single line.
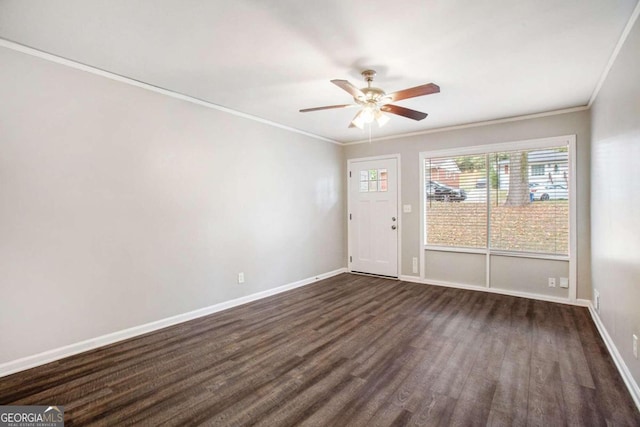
[(405, 112), (328, 107), (427, 89), (345, 85)]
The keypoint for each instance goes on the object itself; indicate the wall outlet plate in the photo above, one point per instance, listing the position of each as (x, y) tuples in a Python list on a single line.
[(240, 277), (406, 208), (415, 265), (635, 346), (552, 282), (596, 300)]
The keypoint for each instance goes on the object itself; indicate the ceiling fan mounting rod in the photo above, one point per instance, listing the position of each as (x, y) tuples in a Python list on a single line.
[(371, 94), (368, 76)]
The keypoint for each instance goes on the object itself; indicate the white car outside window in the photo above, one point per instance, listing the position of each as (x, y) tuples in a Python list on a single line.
[(551, 192)]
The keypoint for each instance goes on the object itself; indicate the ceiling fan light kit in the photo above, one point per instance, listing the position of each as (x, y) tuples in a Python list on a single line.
[(367, 115), (374, 102)]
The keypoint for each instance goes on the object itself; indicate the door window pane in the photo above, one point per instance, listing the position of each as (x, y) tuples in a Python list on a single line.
[(373, 180)]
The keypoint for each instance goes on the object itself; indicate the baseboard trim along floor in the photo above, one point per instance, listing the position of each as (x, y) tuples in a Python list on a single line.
[(539, 297), (349, 350), (29, 362), (629, 381)]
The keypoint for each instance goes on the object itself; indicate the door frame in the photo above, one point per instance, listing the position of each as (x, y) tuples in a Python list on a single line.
[(396, 157)]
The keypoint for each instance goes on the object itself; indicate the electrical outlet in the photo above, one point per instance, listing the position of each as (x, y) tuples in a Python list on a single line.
[(564, 282), (415, 265), (552, 282), (240, 277), (635, 346), (596, 299)]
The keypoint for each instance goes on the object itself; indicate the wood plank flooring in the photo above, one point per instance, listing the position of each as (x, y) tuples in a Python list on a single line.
[(348, 351)]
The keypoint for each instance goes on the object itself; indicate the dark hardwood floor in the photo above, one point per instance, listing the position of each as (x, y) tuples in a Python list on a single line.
[(348, 351)]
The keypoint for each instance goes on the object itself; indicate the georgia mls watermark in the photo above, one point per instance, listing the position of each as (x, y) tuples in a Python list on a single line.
[(31, 416)]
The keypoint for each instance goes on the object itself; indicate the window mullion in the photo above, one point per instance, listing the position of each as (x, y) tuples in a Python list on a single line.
[(488, 224)]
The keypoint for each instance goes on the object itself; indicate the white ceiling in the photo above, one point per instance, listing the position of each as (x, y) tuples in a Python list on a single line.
[(492, 58)]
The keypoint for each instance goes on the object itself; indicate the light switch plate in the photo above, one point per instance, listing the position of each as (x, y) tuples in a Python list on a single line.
[(564, 282)]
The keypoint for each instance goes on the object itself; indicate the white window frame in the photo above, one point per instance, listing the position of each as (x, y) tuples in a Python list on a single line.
[(530, 144)]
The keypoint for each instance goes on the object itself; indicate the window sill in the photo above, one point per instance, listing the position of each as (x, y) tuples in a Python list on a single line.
[(483, 251)]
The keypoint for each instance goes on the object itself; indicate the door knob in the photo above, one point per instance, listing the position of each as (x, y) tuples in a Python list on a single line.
[(393, 227), (393, 218)]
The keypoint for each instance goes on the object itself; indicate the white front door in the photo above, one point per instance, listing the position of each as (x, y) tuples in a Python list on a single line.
[(373, 216)]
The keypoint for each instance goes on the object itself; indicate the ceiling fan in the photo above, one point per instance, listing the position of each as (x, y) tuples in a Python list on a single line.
[(374, 101)]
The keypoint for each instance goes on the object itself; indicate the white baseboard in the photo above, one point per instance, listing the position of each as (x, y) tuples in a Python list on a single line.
[(28, 362), (628, 379), (548, 298), (412, 279)]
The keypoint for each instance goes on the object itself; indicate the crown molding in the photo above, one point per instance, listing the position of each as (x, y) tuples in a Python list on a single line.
[(614, 54), (157, 89), (474, 124), (177, 95)]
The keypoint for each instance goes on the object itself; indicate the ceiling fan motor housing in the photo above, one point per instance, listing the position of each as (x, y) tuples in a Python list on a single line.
[(370, 94)]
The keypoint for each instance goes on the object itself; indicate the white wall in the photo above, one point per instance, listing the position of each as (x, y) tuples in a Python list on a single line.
[(615, 204), (409, 148), (120, 206)]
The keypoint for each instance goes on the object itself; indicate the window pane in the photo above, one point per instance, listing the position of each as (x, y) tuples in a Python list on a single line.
[(526, 193), (373, 174), (383, 185), (373, 185), (456, 201), (537, 170), (364, 175), (364, 186), (530, 206)]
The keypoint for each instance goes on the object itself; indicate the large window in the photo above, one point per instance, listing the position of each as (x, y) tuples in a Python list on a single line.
[(514, 200)]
